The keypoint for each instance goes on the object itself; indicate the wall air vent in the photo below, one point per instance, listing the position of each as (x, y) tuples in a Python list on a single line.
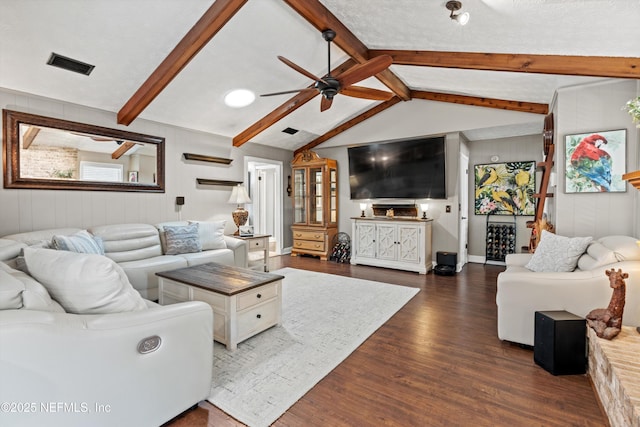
[(70, 64), (290, 131)]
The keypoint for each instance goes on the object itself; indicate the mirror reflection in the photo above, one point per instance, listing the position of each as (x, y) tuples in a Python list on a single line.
[(60, 154), (50, 153)]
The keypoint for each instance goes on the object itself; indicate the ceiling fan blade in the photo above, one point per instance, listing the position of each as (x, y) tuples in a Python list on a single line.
[(299, 69), (366, 70), (367, 93), (306, 89), (95, 138), (325, 103)]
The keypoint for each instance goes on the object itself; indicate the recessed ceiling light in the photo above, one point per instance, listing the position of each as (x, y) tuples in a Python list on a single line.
[(239, 98)]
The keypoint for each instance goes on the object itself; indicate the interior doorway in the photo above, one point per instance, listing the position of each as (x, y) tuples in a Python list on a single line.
[(264, 182), (463, 220)]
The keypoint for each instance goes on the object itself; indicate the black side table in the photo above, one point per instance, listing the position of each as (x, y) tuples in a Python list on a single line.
[(560, 342)]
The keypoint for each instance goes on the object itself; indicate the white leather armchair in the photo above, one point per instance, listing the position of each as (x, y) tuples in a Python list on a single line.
[(522, 292), (60, 369)]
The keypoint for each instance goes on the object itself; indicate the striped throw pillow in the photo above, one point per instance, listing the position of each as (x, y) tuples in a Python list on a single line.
[(81, 242)]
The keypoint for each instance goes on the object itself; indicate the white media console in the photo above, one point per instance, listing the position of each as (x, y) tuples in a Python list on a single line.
[(403, 243)]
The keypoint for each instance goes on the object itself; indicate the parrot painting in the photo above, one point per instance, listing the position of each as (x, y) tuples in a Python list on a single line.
[(591, 161), (488, 178)]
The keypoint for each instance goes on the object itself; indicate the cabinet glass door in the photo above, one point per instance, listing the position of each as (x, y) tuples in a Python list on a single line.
[(315, 195), (333, 195), (300, 196)]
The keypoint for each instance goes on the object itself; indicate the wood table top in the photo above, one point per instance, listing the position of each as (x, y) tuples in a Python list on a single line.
[(223, 279)]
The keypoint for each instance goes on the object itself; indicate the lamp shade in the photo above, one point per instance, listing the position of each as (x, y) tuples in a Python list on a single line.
[(239, 195)]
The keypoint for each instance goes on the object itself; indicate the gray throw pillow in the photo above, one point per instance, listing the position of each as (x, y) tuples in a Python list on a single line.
[(182, 239), (557, 253)]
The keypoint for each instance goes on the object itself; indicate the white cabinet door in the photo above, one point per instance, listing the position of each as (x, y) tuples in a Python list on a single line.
[(365, 244), (408, 243), (386, 238), (402, 244)]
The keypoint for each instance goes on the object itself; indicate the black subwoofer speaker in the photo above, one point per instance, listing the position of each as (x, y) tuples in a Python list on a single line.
[(560, 342)]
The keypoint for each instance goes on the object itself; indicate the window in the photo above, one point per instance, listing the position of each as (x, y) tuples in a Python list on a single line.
[(91, 171)]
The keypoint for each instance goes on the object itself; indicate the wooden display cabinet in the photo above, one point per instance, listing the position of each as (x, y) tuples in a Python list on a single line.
[(315, 204)]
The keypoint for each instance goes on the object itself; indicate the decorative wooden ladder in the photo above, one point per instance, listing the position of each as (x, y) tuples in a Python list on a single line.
[(545, 167)]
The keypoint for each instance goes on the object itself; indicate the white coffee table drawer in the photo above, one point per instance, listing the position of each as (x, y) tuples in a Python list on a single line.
[(256, 296), (257, 319)]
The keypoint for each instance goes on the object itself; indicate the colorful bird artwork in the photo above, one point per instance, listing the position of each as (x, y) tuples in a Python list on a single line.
[(505, 188), (595, 162), (592, 162)]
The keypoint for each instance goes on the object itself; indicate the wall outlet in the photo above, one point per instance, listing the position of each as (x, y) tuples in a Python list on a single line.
[(448, 209), (179, 200)]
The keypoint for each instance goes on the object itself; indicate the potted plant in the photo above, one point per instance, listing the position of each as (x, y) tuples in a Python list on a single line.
[(633, 108)]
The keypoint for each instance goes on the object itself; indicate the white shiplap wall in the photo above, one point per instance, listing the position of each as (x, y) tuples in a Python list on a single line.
[(27, 210), (595, 108)]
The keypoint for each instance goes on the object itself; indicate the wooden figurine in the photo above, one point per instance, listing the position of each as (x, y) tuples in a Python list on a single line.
[(607, 322)]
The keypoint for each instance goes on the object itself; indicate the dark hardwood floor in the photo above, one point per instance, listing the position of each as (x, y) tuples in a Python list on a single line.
[(437, 362)]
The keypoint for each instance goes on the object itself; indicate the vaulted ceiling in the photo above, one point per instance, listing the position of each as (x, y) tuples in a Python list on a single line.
[(173, 61)]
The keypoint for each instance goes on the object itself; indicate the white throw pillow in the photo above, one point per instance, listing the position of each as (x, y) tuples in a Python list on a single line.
[(31, 295), (557, 253), (83, 283), (211, 234), (626, 248), (596, 256), (10, 292)]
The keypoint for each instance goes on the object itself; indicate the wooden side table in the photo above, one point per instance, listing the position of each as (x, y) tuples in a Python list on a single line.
[(258, 243)]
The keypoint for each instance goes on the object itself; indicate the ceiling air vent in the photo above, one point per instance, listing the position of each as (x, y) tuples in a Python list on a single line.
[(70, 64), (290, 131)]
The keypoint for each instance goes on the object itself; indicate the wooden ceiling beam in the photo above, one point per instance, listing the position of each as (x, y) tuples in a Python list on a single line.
[(123, 148), (349, 124), (525, 107), (593, 66), (322, 19), (220, 12), (285, 109), (29, 136)]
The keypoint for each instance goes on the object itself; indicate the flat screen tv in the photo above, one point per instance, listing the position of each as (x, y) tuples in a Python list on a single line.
[(408, 169)]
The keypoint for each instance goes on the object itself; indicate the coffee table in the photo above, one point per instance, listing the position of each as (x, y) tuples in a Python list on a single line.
[(244, 302)]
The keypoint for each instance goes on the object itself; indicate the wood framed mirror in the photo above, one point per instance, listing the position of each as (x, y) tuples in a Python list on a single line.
[(53, 154)]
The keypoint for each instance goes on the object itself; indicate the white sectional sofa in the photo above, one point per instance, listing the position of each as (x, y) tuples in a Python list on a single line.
[(521, 292), (139, 249), (80, 347)]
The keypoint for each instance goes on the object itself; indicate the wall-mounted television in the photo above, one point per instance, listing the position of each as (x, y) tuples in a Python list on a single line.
[(407, 169)]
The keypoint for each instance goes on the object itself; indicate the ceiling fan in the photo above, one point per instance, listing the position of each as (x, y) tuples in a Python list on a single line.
[(329, 86)]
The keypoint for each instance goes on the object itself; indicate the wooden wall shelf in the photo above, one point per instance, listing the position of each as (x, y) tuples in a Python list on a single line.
[(203, 158), (205, 181), (633, 178)]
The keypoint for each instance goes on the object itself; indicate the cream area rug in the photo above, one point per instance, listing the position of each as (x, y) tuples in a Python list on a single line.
[(324, 318)]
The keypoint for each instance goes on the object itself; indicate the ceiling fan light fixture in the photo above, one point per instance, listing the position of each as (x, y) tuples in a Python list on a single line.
[(460, 18), (239, 98)]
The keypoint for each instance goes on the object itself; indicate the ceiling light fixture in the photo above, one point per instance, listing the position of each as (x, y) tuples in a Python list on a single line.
[(461, 18), (239, 98)]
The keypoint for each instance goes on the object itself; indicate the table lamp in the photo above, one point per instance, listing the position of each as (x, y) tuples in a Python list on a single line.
[(424, 207), (363, 207), (239, 197)]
